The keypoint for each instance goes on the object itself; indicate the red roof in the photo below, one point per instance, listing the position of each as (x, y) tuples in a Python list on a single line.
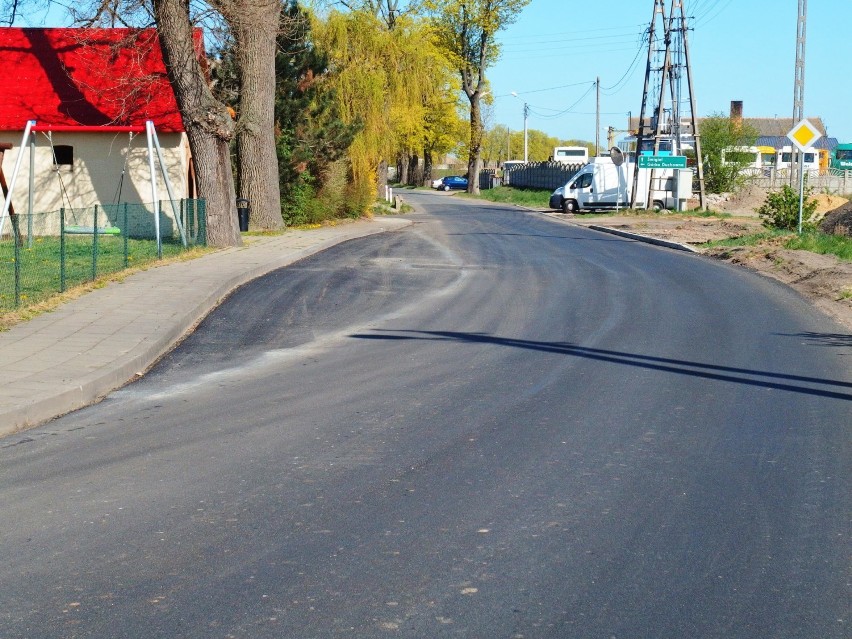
[(85, 77)]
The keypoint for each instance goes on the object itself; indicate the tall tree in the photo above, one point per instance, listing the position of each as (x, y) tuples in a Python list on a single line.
[(208, 123), (467, 30), (383, 78), (254, 27)]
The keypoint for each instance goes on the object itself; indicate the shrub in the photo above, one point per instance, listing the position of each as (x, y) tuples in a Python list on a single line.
[(781, 209)]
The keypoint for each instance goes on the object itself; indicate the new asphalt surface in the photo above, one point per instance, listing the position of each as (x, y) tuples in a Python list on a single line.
[(75, 355), (67, 359)]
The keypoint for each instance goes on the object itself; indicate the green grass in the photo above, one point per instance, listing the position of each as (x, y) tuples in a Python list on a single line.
[(533, 198), (40, 276), (817, 242), (810, 240)]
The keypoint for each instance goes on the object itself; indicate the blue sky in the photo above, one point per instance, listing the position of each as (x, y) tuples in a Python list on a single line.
[(740, 50)]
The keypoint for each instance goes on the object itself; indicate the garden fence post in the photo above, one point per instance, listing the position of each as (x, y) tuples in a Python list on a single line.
[(15, 241), (95, 246), (62, 250), (125, 231)]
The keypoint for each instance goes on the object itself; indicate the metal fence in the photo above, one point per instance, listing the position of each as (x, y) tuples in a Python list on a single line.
[(47, 253), (540, 175)]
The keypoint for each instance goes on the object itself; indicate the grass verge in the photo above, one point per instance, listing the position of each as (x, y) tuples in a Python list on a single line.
[(810, 240), (532, 198)]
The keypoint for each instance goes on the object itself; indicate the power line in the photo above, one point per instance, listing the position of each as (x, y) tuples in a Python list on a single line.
[(569, 109), (699, 22), (563, 86), (538, 37), (630, 69)]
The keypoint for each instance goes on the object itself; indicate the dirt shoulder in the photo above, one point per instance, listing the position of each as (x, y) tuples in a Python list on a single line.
[(824, 279)]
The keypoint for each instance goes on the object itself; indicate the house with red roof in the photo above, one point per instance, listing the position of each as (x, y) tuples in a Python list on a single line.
[(90, 93)]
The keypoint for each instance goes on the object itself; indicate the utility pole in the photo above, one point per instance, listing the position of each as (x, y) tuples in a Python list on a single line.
[(526, 115), (642, 134), (799, 86), (670, 79), (598, 119), (693, 108)]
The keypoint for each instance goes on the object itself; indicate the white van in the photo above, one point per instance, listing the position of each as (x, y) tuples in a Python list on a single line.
[(602, 185)]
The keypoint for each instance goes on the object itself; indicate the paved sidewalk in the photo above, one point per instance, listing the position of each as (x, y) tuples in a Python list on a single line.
[(67, 359)]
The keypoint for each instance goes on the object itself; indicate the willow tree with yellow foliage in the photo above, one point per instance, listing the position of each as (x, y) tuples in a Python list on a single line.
[(466, 30), (384, 79)]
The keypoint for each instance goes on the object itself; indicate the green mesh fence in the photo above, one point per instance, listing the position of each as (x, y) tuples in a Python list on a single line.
[(47, 253)]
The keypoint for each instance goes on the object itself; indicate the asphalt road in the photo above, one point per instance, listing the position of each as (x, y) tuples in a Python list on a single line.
[(488, 424)]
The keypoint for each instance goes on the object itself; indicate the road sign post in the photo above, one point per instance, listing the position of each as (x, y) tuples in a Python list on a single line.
[(803, 135)]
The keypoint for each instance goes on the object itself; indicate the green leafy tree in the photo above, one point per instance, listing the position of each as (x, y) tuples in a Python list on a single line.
[(311, 135), (386, 80), (723, 172), (466, 30)]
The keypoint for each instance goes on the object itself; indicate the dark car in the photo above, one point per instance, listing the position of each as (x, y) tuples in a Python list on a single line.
[(453, 182)]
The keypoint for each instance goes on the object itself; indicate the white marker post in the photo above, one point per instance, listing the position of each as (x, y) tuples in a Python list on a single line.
[(803, 135)]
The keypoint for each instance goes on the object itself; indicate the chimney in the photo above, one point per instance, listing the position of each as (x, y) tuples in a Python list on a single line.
[(737, 112)]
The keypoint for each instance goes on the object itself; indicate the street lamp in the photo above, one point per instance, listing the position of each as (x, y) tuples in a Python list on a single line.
[(526, 115)]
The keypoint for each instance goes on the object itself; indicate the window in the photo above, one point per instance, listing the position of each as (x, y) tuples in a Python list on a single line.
[(844, 154), (63, 155), (582, 182)]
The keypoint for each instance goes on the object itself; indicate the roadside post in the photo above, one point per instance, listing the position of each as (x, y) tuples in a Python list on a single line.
[(617, 159), (803, 135)]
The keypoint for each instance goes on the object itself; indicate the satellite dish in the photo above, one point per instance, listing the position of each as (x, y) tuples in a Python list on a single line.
[(616, 155)]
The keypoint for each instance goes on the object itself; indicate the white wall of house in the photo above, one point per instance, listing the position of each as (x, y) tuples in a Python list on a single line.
[(95, 174)]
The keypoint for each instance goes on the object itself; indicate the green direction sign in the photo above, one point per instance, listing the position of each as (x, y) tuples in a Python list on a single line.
[(662, 162)]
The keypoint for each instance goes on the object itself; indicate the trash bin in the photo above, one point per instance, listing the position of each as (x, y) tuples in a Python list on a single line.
[(243, 213)]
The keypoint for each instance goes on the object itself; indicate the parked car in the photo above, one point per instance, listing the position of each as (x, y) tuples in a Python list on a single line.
[(437, 183), (453, 182)]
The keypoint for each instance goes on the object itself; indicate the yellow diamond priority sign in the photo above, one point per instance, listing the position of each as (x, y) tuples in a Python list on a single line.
[(803, 135)]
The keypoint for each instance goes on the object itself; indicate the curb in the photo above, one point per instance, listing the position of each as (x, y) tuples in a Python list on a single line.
[(642, 238), (647, 239)]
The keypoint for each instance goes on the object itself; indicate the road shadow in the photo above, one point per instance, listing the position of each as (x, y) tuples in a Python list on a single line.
[(745, 376), (821, 339)]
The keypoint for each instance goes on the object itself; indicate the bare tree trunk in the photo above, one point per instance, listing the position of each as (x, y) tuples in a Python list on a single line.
[(208, 125), (402, 168), (427, 168), (382, 176), (474, 163), (255, 27), (413, 166)]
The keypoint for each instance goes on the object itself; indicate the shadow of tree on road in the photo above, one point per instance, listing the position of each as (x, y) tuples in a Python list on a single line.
[(746, 376)]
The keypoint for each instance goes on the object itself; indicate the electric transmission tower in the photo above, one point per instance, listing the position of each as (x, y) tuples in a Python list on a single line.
[(668, 66)]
